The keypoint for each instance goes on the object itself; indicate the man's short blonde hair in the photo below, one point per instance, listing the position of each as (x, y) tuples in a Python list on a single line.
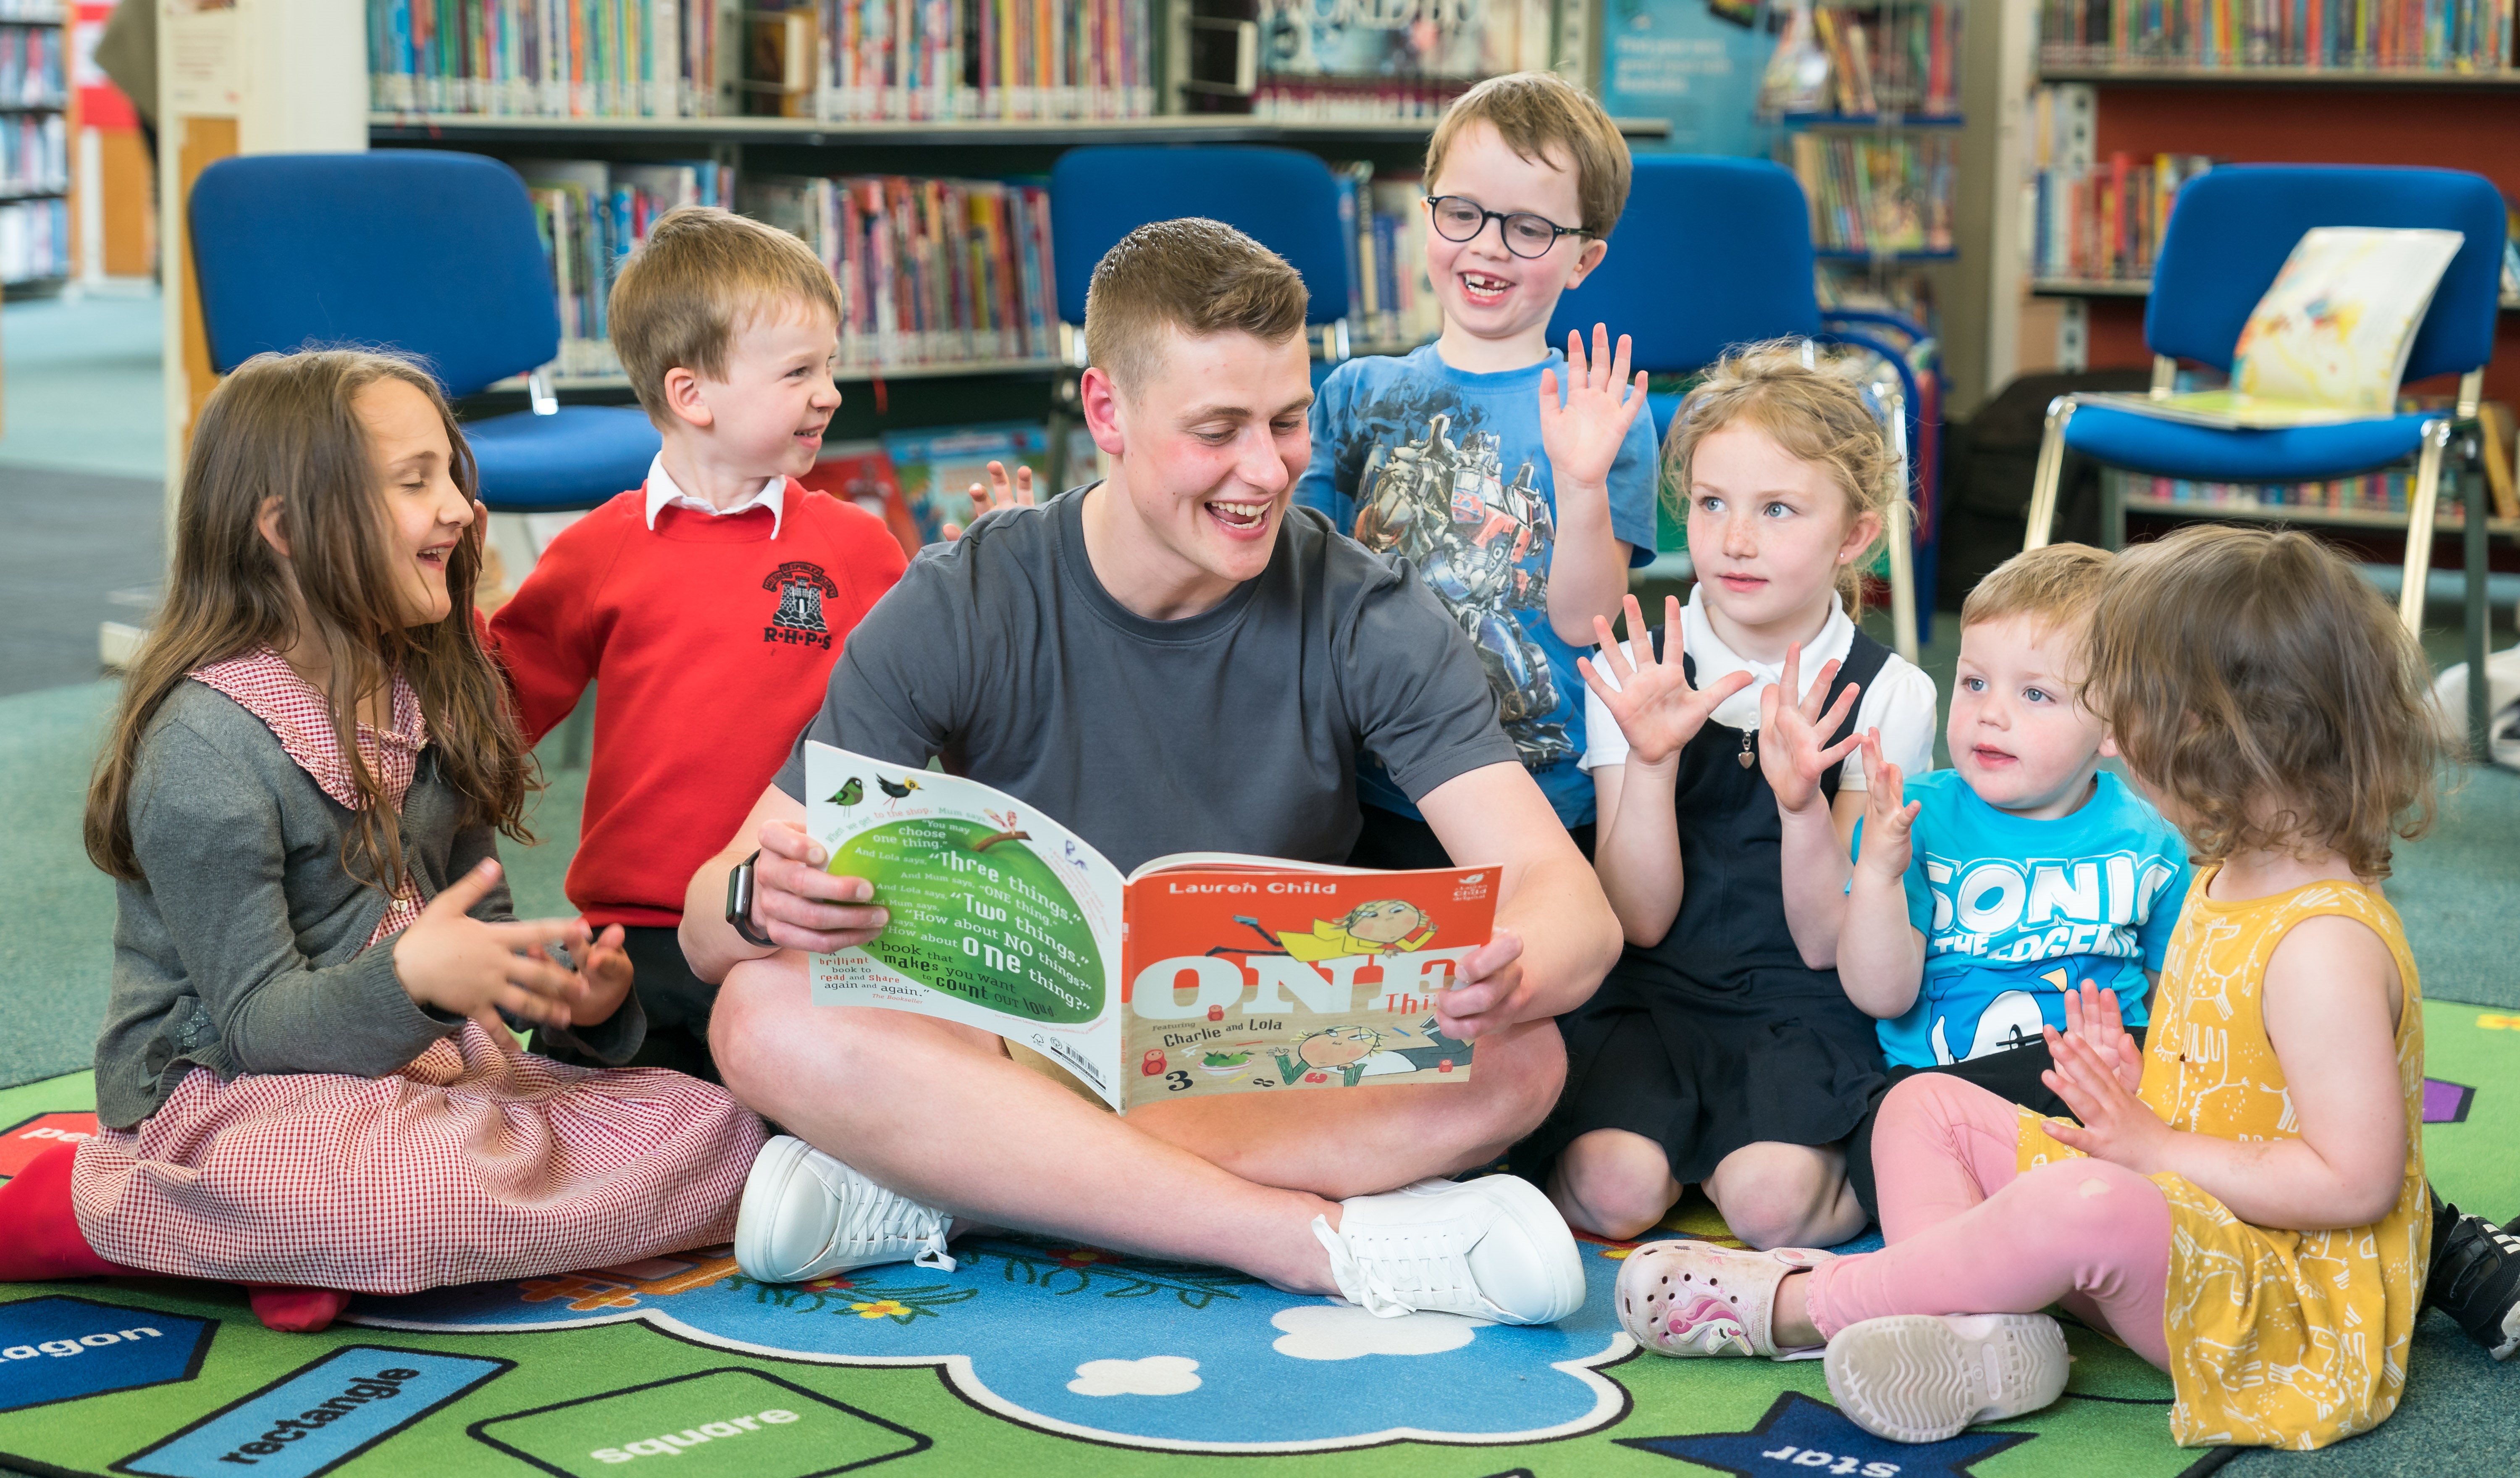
[(1200, 276), (2057, 586), (1537, 112), (701, 277)]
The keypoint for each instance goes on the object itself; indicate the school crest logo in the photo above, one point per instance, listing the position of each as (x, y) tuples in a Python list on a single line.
[(802, 588)]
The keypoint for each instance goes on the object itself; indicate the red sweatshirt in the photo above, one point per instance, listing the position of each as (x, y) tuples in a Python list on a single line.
[(711, 642)]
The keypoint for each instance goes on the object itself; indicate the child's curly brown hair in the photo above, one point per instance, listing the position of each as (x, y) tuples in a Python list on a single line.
[(2267, 694)]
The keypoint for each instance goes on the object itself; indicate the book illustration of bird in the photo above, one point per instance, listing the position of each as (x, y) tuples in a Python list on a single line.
[(897, 789), (851, 793), (1007, 832)]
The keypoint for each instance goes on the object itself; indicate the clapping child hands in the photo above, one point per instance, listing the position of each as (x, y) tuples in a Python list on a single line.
[(1889, 817), (464, 967), (1653, 703), (999, 493), (1583, 437), (2098, 1068), (1791, 754)]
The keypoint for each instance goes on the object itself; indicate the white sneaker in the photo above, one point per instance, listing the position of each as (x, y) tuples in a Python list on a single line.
[(1922, 1377), (1493, 1248), (805, 1214)]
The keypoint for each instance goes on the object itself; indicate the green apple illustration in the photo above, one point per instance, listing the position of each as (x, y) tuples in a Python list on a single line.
[(956, 918)]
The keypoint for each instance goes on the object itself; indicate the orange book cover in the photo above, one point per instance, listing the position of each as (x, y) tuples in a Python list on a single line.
[(1197, 974)]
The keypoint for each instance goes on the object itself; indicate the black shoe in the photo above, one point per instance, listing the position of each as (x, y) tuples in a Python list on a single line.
[(2476, 1280)]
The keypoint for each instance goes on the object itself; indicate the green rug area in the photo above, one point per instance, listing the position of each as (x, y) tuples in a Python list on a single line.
[(1040, 1358)]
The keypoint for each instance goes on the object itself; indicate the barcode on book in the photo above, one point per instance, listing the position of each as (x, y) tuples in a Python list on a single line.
[(1065, 1053)]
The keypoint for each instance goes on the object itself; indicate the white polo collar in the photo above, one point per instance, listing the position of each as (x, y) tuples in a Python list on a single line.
[(1715, 660), (662, 493)]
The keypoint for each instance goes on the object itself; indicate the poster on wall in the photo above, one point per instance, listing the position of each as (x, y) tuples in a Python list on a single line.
[(1694, 62)]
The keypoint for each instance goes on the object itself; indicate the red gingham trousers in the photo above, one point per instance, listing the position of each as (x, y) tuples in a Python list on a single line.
[(469, 1165)]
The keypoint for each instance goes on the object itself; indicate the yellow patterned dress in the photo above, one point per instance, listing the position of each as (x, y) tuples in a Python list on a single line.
[(2283, 1339)]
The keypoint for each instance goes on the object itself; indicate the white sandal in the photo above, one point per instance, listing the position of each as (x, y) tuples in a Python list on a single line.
[(1694, 1298)]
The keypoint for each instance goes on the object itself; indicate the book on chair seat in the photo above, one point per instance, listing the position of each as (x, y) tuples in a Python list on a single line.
[(2328, 341), (1198, 974)]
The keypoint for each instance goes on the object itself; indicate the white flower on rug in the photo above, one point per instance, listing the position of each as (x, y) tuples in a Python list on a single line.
[(1344, 1332), (1154, 1376)]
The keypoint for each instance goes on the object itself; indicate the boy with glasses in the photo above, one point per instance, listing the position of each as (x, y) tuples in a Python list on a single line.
[(1482, 458)]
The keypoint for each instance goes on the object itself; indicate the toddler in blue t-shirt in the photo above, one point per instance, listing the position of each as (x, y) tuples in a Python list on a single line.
[(1521, 517), (1983, 894)]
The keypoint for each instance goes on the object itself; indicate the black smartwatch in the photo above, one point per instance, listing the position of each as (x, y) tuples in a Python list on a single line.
[(738, 904)]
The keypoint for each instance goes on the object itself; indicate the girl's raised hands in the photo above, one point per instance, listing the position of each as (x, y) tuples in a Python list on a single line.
[(2091, 1016), (1583, 437), (449, 960), (999, 493), (1791, 754), (1655, 707), (2116, 1126), (1889, 817)]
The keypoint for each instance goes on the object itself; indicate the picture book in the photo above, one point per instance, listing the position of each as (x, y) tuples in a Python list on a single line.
[(938, 467), (2328, 341), (1197, 974)]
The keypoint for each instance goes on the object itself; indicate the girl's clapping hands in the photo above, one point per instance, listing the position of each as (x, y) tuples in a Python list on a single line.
[(2097, 1070), (451, 961), (1655, 707), (1791, 754)]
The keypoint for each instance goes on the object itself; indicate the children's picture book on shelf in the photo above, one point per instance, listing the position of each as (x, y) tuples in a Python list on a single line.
[(1196, 974), (2328, 341), (859, 473)]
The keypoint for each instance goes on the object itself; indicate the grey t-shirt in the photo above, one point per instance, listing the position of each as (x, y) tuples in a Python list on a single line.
[(1234, 730)]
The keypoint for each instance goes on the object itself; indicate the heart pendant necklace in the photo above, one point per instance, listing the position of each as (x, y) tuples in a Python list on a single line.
[(1745, 757)]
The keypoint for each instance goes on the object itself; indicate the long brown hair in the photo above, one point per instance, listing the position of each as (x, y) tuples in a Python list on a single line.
[(285, 425), (2266, 692)]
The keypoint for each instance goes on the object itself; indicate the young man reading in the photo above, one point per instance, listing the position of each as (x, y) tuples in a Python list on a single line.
[(1167, 660)]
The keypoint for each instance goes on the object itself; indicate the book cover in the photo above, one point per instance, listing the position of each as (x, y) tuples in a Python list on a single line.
[(1197, 974), (2340, 319), (938, 467)]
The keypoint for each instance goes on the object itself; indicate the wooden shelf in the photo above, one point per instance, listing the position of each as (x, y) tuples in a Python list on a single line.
[(1187, 128), (2338, 518), (845, 375), (2079, 287), (2276, 76)]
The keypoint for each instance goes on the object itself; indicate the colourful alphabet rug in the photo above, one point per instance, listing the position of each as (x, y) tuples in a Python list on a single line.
[(1031, 1357)]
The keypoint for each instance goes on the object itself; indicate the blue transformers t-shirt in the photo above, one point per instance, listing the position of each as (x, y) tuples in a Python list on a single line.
[(2017, 912), (1445, 468)]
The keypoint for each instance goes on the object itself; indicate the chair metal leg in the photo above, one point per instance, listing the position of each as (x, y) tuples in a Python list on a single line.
[(2480, 617), (1903, 580), (2419, 526), (2051, 465)]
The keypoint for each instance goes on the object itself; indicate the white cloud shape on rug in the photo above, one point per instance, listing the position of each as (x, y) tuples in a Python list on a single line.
[(1344, 1332), (1154, 1376)]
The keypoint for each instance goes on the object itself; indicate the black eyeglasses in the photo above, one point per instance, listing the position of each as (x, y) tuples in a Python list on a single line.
[(1459, 219)]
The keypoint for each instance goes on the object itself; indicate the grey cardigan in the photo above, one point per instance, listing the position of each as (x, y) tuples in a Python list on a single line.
[(244, 948)]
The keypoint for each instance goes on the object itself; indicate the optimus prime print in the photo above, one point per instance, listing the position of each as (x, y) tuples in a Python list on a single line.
[(1482, 545)]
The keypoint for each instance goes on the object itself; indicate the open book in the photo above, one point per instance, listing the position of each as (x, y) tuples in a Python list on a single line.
[(2328, 341), (1202, 972)]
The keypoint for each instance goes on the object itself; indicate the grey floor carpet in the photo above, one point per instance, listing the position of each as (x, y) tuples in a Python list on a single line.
[(73, 539)]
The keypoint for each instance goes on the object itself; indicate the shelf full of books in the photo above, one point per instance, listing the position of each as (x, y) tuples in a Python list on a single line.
[(560, 59), (948, 60), (1865, 60), (2466, 37), (2104, 223), (1882, 197), (34, 154), (1334, 61), (931, 271), (592, 214), (2374, 500), (1392, 306)]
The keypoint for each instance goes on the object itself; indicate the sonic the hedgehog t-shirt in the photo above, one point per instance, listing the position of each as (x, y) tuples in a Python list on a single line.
[(2017, 912), (1445, 469)]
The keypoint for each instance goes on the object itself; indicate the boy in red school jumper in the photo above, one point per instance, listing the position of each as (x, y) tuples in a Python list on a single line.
[(707, 606)]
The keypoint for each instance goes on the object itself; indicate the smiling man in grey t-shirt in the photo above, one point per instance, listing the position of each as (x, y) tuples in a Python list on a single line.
[(1167, 660)]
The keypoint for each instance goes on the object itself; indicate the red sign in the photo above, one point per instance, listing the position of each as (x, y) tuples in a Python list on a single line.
[(102, 105), (23, 1144)]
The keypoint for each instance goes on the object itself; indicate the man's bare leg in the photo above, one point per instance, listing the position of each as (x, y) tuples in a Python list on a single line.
[(936, 1112), (1340, 1142)]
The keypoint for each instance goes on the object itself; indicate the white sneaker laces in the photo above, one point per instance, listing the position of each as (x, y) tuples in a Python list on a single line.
[(887, 1220), (1404, 1270)]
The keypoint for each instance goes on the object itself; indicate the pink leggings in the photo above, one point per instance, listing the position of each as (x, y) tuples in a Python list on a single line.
[(1970, 1235)]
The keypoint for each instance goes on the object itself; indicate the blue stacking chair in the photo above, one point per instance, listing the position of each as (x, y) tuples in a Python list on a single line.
[(1284, 199), (434, 255), (1714, 252), (2228, 236)]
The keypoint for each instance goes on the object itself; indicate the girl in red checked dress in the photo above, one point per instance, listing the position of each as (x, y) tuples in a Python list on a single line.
[(306, 1081)]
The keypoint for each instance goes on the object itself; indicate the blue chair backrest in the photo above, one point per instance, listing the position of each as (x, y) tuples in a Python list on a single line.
[(1710, 253), (432, 253), (2234, 225), (1284, 199)]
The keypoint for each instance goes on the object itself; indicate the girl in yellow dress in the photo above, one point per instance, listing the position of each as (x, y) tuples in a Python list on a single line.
[(2265, 1247)]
